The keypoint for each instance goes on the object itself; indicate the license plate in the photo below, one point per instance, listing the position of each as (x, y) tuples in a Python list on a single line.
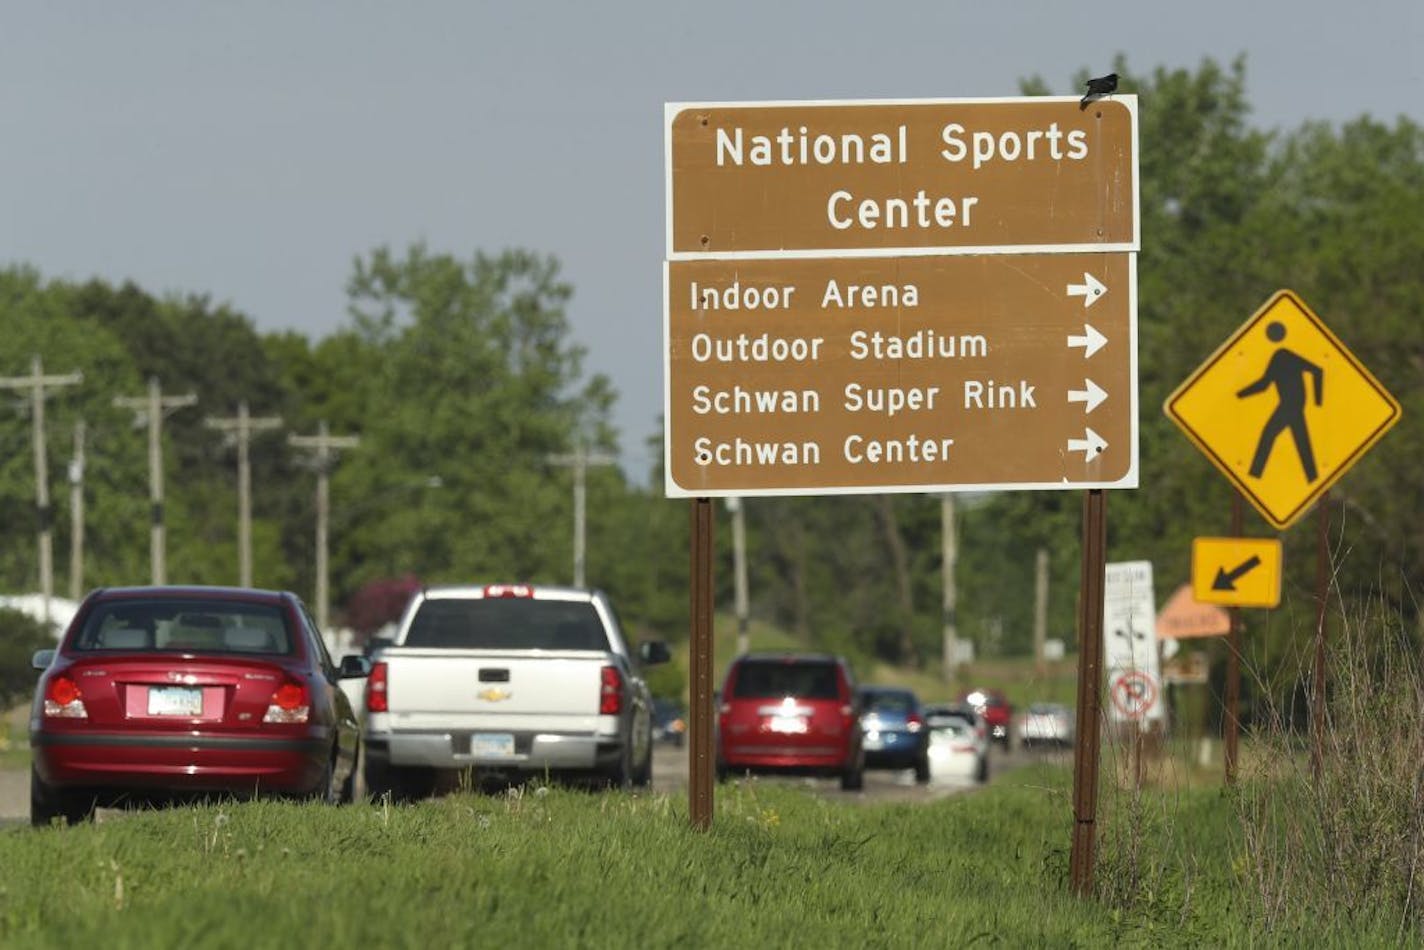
[(174, 701), (492, 744), (789, 725)]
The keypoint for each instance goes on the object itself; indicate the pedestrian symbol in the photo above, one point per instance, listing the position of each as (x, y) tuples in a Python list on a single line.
[(1260, 409), (1286, 371)]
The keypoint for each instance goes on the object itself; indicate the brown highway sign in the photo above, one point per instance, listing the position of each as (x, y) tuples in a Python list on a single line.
[(954, 176), (918, 373)]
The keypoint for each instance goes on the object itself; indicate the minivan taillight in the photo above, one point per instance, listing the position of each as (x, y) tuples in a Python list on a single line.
[(915, 721), (610, 694), (376, 698), (63, 700)]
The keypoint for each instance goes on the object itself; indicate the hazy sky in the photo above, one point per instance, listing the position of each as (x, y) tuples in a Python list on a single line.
[(251, 150)]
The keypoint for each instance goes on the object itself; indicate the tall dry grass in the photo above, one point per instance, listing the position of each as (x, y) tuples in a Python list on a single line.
[(1347, 838)]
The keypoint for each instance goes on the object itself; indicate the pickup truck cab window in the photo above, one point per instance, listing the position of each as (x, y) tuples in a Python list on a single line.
[(507, 624)]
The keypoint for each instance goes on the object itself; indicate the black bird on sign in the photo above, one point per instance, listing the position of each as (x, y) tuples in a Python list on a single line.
[(1097, 88)]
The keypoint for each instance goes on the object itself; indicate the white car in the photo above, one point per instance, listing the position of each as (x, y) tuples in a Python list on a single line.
[(958, 744), (1047, 724)]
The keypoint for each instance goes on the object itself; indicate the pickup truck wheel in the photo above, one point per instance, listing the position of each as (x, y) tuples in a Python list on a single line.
[(378, 779), (620, 775), (643, 777)]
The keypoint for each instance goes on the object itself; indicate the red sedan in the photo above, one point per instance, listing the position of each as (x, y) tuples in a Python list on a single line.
[(160, 693)]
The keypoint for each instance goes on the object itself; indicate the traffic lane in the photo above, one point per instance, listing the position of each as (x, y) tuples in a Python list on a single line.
[(670, 775), (14, 797)]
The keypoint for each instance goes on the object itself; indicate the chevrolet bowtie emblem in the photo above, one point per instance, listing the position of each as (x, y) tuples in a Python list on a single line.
[(494, 694)]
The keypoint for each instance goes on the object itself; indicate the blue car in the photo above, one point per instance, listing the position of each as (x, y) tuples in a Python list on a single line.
[(894, 730)]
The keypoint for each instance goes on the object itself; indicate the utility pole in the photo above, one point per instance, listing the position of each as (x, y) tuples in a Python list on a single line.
[(739, 571), (323, 444), (950, 545), (240, 428), (76, 515), (150, 409), (580, 460), (36, 383)]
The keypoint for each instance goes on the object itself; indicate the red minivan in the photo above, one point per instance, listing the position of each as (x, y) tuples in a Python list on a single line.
[(791, 713)]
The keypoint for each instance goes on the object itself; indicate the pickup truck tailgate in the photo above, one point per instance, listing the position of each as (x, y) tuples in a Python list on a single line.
[(473, 685)]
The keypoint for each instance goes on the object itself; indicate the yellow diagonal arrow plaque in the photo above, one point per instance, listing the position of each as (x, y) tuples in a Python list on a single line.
[(1237, 572)]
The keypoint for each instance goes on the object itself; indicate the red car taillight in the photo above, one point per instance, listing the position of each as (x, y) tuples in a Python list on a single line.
[(63, 699), (915, 721), (610, 694), (376, 697), (290, 703)]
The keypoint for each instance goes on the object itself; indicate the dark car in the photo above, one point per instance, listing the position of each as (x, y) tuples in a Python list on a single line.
[(998, 713), (794, 713), (170, 693), (669, 721), (894, 729)]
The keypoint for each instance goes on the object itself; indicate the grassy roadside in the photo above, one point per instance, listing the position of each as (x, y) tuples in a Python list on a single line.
[(557, 868)]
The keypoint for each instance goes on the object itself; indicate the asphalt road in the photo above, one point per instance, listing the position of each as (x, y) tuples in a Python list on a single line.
[(670, 771)]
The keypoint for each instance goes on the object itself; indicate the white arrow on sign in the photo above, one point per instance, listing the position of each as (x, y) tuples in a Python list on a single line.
[(1090, 290), (1092, 394), (1092, 446), (1091, 341)]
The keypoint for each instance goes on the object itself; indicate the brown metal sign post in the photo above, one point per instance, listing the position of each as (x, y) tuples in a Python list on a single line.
[(1087, 741), (702, 751), (1322, 590), (1233, 659)]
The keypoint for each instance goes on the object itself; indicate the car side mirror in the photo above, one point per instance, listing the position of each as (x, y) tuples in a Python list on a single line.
[(354, 666), (653, 652), (42, 659)]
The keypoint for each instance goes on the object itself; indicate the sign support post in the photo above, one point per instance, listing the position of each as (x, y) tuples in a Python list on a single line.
[(700, 766), (1233, 659), (1322, 588), (1086, 736)]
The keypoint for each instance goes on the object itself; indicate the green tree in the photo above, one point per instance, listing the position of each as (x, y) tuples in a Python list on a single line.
[(478, 383)]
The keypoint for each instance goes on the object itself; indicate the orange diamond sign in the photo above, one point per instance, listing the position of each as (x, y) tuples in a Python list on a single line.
[(1283, 409)]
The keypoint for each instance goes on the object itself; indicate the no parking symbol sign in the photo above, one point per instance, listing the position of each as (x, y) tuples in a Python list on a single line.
[(1134, 694), (1130, 642)]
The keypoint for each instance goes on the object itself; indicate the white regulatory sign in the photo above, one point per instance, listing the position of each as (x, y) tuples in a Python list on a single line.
[(1130, 642)]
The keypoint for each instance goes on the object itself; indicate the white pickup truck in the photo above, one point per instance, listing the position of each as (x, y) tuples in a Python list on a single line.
[(508, 678)]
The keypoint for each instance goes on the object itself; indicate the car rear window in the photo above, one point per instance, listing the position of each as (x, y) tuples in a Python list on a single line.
[(507, 623), (201, 626), (774, 679), (902, 703)]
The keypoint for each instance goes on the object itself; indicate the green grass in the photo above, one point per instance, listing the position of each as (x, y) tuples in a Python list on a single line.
[(564, 868)]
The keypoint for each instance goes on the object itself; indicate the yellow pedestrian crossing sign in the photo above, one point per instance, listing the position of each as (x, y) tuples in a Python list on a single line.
[(1283, 408)]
